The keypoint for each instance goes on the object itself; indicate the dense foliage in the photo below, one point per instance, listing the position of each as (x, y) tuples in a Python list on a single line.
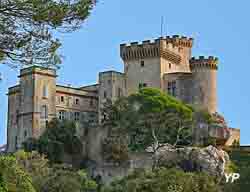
[(13, 177), (30, 172), (149, 118), (59, 138), (3, 187), (164, 180), (116, 149), (28, 29)]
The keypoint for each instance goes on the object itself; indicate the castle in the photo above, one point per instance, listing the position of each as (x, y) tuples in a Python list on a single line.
[(165, 63)]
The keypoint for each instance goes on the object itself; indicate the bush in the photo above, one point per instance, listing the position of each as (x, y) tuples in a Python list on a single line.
[(164, 180), (60, 137)]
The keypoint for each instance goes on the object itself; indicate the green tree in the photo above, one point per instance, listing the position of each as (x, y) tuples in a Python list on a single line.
[(28, 29), (59, 138), (3, 187), (36, 165), (149, 118), (164, 180), (115, 148), (16, 179), (51, 177), (64, 179)]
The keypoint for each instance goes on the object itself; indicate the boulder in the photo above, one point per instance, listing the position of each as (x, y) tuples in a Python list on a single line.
[(209, 159)]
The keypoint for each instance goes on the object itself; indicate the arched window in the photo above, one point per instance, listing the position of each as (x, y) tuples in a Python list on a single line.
[(45, 91)]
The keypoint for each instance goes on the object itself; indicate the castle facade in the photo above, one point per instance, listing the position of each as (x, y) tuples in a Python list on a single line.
[(165, 63)]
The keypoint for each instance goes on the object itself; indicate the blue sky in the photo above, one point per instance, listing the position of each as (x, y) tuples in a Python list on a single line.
[(220, 28)]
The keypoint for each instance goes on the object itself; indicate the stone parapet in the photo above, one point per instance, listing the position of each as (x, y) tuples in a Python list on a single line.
[(203, 62), (13, 90), (155, 48), (136, 50), (177, 40), (38, 70)]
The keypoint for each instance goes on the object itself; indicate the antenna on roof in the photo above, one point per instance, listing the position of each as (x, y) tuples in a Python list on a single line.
[(162, 27), (162, 20)]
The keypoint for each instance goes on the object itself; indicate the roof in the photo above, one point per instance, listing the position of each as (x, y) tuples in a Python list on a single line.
[(112, 71)]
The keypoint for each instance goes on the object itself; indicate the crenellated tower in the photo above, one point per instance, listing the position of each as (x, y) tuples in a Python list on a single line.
[(204, 72), (146, 63)]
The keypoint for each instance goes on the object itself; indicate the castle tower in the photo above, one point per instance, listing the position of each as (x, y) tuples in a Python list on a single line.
[(37, 102), (111, 87), (205, 82), (146, 63)]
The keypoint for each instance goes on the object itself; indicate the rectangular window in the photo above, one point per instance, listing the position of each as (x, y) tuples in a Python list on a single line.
[(142, 63), (77, 101), (62, 115), (105, 94), (172, 88), (44, 112), (169, 87), (16, 142), (25, 133), (17, 116), (62, 99), (77, 116), (119, 92), (142, 85), (45, 91)]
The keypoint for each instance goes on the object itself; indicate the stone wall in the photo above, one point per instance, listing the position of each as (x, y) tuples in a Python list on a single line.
[(144, 72), (184, 85), (12, 122), (108, 171)]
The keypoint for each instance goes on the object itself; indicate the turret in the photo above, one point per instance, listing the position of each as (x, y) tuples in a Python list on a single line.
[(111, 87), (37, 107), (205, 82), (202, 62)]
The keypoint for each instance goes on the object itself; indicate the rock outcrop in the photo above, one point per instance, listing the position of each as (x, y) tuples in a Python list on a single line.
[(191, 159), (209, 159)]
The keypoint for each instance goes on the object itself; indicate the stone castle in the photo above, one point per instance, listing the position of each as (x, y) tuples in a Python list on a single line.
[(165, 63)]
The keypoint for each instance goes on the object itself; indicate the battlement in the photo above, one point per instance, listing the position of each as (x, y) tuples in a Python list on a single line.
[(141, 44), (203, 62), (177, 40), (140, 50), (167, 47)]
